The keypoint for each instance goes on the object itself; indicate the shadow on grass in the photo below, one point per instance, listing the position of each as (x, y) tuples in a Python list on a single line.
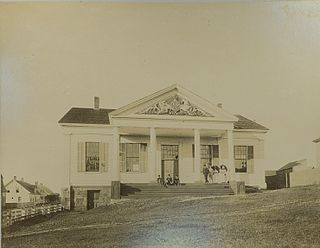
[(252, 189), (29, 222)]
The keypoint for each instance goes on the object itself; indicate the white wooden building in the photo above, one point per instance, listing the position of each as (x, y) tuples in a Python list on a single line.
[(172, 131), (19, 192)]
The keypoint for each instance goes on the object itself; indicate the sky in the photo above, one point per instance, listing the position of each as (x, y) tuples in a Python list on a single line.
[(261, 60)]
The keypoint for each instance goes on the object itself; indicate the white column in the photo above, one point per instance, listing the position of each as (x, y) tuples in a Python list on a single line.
[(230, 165), (153, 153), (197, 153), (115, 160)]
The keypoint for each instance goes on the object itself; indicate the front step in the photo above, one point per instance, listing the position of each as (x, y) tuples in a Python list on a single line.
[(151, 190)]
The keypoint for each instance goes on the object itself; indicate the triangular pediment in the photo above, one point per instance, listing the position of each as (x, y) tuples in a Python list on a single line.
[(173, 102), (174, 105)]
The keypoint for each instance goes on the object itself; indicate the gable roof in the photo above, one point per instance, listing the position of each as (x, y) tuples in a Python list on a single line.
[(87, 116), (27, 186), (101, 116), (200, 105), (292, 164), (40, 189), (245, 123)]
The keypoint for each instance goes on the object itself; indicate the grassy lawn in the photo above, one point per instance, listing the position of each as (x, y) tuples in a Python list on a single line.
[(282, 218)]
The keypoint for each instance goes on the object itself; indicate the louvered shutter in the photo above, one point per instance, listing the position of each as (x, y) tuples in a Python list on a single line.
[(103, 154), (81, 157), (122, 157), (215, 151), (193, 150), (143, 157), (250, 152)]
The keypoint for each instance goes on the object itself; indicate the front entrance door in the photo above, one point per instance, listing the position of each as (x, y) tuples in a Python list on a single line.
[(169, 160), (92, 198)]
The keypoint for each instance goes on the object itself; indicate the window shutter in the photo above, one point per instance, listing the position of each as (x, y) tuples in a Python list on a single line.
[(193, 150), (250, 167), (122, 157), (81, 157), (143, 157), (103, 154), (215, 151), (250, 152)]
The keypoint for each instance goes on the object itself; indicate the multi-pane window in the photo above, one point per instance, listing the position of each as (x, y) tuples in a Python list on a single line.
[(243, 156), (133, 157), (169, 152), (208, 154), (92, 156)]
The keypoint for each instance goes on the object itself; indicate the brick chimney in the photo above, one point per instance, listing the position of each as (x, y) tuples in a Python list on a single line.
[(96, 102), (219, 105), (15, 178)]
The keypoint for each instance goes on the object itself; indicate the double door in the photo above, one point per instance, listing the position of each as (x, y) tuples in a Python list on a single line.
[(169, 161)]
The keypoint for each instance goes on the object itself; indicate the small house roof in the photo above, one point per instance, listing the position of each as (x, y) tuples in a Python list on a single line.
[(27, 186), (292, 164)]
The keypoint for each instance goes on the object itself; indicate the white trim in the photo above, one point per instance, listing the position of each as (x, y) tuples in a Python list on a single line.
[(250, 130)]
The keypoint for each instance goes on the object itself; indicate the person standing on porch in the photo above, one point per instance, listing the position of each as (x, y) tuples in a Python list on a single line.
[(205, 173), (210, 173), (215, 174), (223, 173)]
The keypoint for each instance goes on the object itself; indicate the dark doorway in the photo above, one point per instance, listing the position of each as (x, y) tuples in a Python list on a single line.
[(92, 198), (169, 160)]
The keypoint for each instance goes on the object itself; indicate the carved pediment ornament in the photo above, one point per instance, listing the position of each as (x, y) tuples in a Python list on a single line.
[(174, 105)]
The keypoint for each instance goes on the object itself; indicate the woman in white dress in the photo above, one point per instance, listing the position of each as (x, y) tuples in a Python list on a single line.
[(223, 173)]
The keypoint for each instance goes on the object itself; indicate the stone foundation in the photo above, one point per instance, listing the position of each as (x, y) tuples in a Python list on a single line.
[(79, 200), (238, 187)]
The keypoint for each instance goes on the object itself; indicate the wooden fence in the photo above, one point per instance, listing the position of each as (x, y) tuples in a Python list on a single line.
[(10, 216)]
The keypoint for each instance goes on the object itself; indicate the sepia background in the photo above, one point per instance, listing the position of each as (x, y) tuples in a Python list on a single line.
[(261, 60)]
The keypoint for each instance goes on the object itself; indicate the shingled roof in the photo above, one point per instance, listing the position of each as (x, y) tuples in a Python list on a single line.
[(101, 116), (87, 116), (292, 164), (27, 186), (244, 123)]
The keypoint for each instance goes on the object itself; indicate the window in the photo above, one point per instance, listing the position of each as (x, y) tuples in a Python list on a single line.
[(92, 156), (133, 157), (208, 154), (243, 156), (17, 190), (19, 199)]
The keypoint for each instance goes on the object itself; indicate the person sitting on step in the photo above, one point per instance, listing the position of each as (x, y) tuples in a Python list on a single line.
[(169, 181), (176, 180), (159, 180)]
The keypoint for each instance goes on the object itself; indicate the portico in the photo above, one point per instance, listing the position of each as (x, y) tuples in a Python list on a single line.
[(188, 142)]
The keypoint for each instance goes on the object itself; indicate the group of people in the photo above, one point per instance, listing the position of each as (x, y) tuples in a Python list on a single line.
[(211, 173), (169, 180), (215, 174)]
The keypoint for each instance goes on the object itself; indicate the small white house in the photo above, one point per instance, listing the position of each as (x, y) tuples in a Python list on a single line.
[(19, 192), (172, 131)]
